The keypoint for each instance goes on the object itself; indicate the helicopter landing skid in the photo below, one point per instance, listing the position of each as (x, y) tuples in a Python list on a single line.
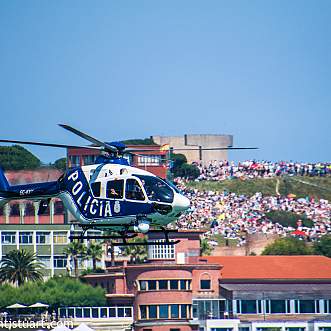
[(128, 234)]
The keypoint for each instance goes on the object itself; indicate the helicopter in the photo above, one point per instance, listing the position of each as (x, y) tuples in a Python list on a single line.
[(109, 194)]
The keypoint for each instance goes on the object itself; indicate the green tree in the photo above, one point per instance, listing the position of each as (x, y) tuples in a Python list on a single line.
[(287, 246), (287, 218), (61, 164), (17, 158), (56, 292), (180, 168), (76, 250), (323, 246), (20, 266), (95, 252), (189, 171), (138, 253), (205, 247)]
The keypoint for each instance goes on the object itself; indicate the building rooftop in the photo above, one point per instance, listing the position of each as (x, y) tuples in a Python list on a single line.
[(273, 267)]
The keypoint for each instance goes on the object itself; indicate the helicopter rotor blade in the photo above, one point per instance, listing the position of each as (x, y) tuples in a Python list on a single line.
[(213, 148), (89, 138), (22, 142), (133, 150)]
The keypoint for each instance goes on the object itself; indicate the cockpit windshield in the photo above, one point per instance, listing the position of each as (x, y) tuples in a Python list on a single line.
[(156, 189)]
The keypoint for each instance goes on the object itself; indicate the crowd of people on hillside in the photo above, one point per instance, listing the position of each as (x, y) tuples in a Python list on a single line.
[(221, 170), (234, 216)]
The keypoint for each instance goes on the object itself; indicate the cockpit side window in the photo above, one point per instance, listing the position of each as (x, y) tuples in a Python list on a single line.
[(96, 188), (114, 189), (156, 189), (133, 190)]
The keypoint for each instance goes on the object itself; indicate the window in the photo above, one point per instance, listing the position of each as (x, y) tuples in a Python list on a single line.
[(133, 190), (60, 238), (151, 285), (248, 307), (307, 306), (152, 311), (45, 260), (277, 306), (25, 237), (156, 189), (143, 285), (164, 252), (60, 261), (74, 161), (183, 311), (143, 312), (8, 237), (163, 284), (149, 160), (173, 284), (103, 312), (163, 311), (174, 311), (205, 284), (114, 189), (96, 189), (295, 329), (43, 237)]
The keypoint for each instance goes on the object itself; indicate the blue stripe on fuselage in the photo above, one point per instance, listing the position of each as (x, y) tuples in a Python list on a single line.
[(92, 208), (34, 190)]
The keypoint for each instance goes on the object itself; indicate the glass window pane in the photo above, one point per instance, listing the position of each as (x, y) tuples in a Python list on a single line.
[(183, 284), (163, 284), (96, 188), (174, 311), (205, 284), (143, 312), (183, 311), (133, 190), (163, 311), (143, 285), (128, 312), (120, 312), (151, 285), (87, 312), (152, 311), (174, 284), (248, 306), (307, 306), (95, 312), (114, 189), (79, 312), (277, 306), (112, 312)]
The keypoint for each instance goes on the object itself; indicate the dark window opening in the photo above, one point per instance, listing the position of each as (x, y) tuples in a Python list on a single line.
[(133, 190), (114, 189)]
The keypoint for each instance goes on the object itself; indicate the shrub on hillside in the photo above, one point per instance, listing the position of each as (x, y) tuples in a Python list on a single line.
[(288, 246)]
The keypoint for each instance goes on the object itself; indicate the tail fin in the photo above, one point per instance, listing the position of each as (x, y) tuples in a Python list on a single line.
[(4, 185)]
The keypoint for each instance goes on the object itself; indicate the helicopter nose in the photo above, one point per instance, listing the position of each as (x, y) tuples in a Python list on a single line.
[(181, 203)]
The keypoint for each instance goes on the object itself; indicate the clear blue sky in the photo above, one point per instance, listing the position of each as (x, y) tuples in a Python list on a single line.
[(259, 70)]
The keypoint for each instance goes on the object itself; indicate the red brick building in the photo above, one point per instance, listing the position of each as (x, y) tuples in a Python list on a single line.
[(162, 290), (153, 159), (177, 290)]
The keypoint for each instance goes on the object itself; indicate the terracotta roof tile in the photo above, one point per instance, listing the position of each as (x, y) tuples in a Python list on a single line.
[(273, 267)]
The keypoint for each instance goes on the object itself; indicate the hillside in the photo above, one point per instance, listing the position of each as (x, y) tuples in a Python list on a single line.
[(317, 187)]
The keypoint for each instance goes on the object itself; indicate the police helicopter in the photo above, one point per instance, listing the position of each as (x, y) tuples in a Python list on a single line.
[(109, 194)]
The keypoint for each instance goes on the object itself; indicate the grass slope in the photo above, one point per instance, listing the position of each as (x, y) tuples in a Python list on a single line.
[(317, 187)]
